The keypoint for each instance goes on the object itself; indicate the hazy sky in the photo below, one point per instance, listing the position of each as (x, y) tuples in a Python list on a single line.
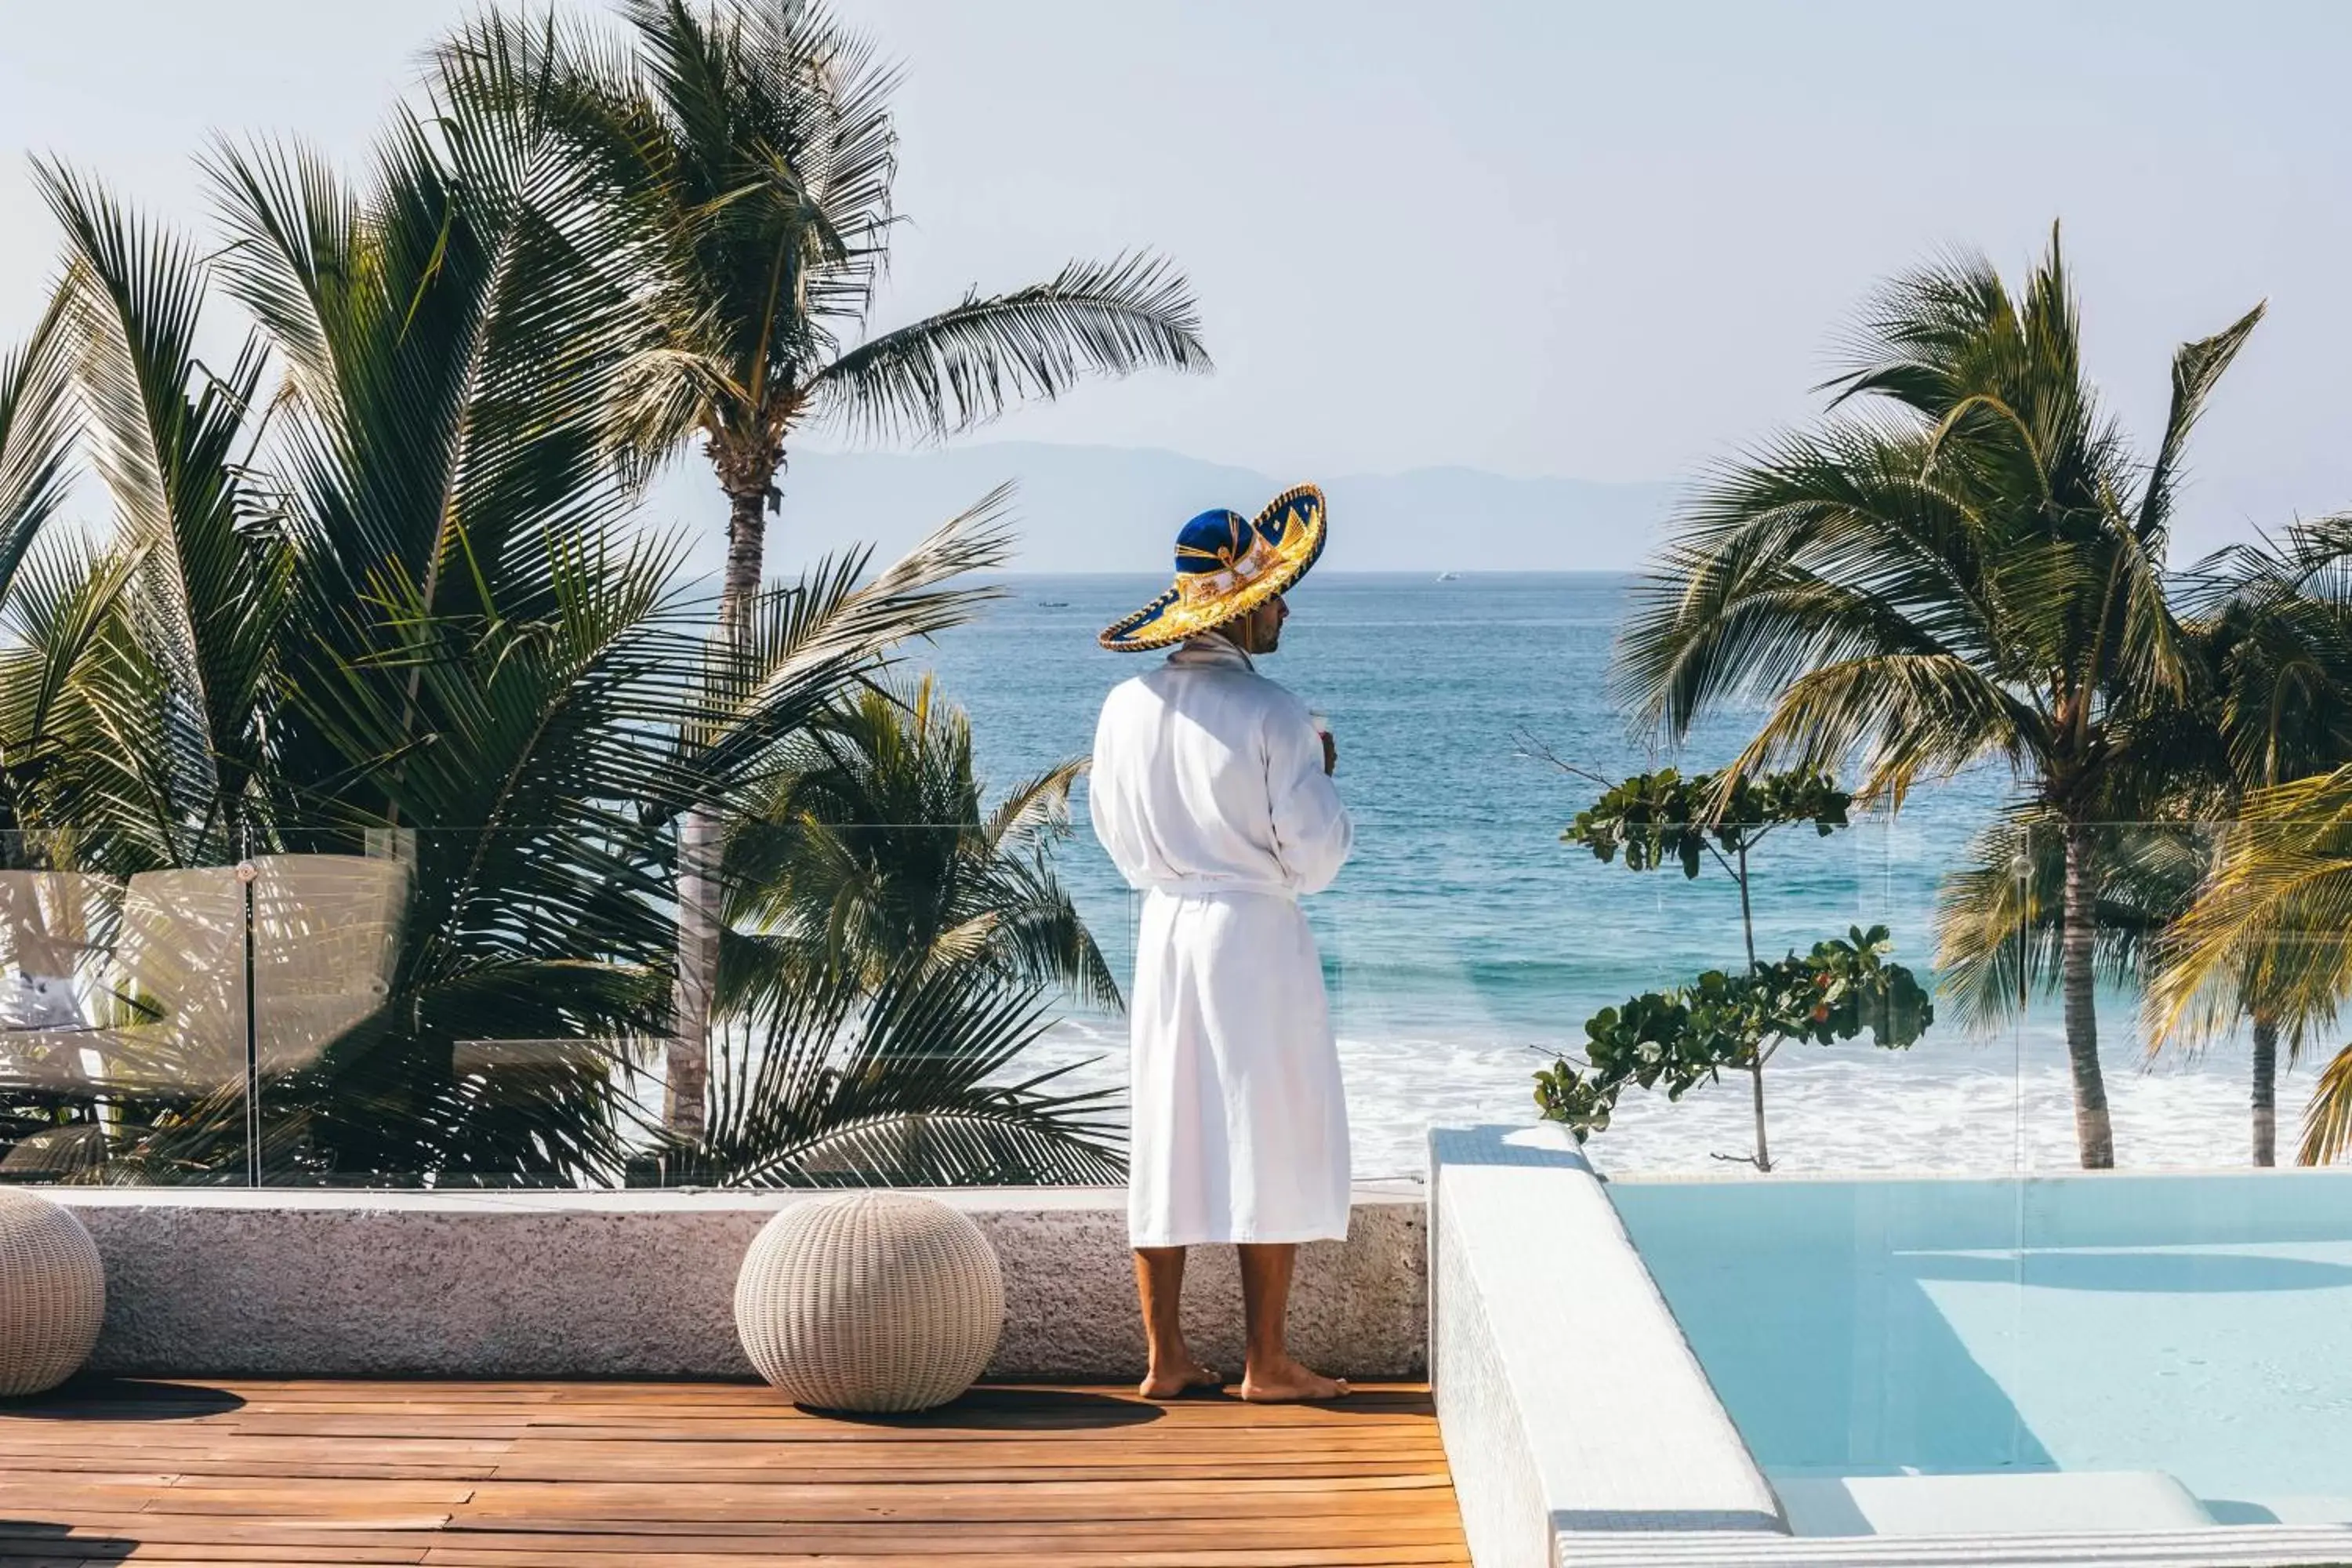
[(1607, 242)]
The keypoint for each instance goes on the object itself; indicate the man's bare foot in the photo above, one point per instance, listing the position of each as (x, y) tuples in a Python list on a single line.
[(1178, 1382), (1289, 1382)]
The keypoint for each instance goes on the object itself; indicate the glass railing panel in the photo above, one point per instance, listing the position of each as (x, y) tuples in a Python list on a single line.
[(892, 1003), (2101, 1082), (1454, 987), (454, 1008), (2178, 1320)]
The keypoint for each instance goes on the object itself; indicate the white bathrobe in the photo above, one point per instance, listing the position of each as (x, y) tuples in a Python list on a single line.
[(1208, 790)]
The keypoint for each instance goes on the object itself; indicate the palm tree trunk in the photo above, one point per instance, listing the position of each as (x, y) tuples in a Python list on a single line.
[(687, 1078), (2265, 1091), (2093, 1133), (688, 1069), (747, 541)]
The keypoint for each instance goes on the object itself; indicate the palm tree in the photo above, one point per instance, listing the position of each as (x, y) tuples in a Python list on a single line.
[(2271, 920), (888, 952), (1999, 921), (407, 591), (871, 854), (2272, 620), (1973, 568), (749, 147)]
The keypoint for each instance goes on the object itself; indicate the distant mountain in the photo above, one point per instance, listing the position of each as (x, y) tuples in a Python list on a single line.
[(1115, 509)]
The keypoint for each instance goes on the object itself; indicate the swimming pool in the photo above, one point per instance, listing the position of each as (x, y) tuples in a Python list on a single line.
[(2178, 1347)]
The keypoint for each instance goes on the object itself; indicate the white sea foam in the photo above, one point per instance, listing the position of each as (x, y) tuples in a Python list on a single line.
[(1986, 1109)]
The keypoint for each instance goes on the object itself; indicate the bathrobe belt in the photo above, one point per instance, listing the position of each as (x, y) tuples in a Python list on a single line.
[(1203, 887)]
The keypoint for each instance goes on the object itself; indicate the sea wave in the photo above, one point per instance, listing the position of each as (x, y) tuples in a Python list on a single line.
[(1993, 1108)]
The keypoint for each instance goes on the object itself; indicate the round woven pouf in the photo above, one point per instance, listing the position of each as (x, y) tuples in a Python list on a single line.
[(870, 1301), (52, 1293)]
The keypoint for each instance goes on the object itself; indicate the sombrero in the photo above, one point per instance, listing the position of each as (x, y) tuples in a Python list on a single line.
[(1227, 565)]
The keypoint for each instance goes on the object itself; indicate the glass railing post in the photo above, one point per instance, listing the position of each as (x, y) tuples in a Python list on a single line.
[(245, 877)]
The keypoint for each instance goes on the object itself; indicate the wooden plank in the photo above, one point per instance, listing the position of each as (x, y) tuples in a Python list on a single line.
[(850, 1431), (587, 1554), (1073, 1535), (1024, 1449), (1430, 1470)]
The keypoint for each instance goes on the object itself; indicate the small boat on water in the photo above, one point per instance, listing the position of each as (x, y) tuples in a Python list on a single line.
[(1449, 576)]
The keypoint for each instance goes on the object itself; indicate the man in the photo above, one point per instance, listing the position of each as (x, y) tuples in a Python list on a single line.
[(1212, 791)]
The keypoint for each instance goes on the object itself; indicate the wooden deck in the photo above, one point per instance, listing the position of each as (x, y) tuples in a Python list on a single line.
[(712, 1475)]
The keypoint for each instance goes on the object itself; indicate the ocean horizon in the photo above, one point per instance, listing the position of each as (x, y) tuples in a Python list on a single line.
[(1464, 945)]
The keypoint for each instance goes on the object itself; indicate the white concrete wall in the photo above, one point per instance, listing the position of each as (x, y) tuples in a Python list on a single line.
[(1572, 1409), (631, 1284)]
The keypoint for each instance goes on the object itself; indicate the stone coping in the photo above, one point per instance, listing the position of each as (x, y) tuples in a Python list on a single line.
[(640, 1283), (2222, 1546), (1566, 1396), (612, 1200)]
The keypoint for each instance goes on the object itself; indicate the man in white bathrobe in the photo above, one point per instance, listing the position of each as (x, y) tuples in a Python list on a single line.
[(1212, 791)]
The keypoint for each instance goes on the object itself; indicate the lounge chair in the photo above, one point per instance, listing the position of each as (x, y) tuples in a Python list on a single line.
[(170, 1003), (326, 944)]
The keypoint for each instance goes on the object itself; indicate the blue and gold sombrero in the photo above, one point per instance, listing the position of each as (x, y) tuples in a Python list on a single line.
[(1227, 565)]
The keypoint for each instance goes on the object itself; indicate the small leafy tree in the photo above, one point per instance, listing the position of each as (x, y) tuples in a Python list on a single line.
[(1681, 1038)]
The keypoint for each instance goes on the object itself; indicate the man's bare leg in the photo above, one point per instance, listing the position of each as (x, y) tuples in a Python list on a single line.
[(1272, 1377), (1159, 1283)]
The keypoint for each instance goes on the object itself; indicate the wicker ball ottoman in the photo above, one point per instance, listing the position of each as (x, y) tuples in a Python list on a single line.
[(52, 1293), (870, 1301)]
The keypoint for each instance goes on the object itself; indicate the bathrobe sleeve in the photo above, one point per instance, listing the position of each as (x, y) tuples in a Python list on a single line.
[(1112, 815), (1312, 833)]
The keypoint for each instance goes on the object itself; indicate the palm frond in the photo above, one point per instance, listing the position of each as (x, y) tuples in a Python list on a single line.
[(1910, 716), (903, 1085), (2327, 1121), (871, 852), (968, 363), (1999, 921), (1035, 807), (168, 430), (37, 427), (1945, 570), (2197, 368), (2268, 927), (293, 255), (831, 627)]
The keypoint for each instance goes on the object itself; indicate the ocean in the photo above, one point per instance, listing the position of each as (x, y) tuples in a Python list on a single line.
[(1465, 945)]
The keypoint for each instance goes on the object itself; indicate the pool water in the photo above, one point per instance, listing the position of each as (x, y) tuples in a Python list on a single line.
[(2191, 1327)]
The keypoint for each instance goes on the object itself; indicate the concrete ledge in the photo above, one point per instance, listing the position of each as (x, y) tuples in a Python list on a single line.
[(2029, 1502), (210, 1282), (1566, 1397), (2222, 1546)]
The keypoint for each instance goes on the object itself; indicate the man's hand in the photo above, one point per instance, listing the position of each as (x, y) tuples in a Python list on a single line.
[(1331, 753)]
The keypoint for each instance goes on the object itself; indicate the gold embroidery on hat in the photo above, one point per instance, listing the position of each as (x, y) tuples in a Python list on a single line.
[(1199, 588)]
